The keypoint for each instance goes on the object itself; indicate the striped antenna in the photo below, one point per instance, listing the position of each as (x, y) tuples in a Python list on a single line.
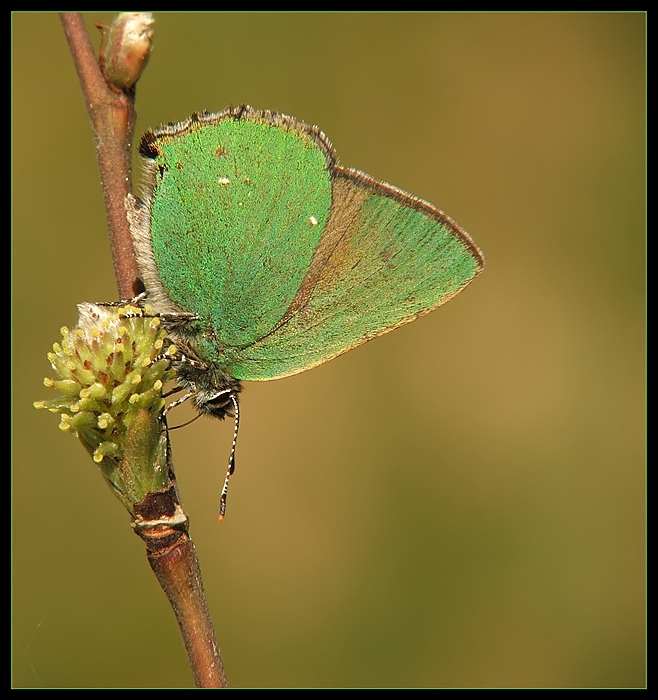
[(231, 459)]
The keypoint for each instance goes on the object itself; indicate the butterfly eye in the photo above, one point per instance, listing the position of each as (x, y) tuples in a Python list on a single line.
[(219, 404), (219, 401)]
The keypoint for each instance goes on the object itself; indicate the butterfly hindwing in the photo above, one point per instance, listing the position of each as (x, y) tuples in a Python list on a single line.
[(390, 259)]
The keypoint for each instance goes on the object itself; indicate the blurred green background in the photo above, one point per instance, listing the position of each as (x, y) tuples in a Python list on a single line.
[(461, 502)]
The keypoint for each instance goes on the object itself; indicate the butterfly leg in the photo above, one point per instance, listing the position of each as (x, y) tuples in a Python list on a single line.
[(178, 402), (135, 301), (171, 317)]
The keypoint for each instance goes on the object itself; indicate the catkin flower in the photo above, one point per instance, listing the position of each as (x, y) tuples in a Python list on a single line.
[(110, 370)]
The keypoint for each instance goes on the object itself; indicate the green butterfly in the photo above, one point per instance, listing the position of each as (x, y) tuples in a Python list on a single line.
[(266, 257)]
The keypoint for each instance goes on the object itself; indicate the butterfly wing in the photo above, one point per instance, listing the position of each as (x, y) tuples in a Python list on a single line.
[(288, 258), (234, 209), (385, 258)]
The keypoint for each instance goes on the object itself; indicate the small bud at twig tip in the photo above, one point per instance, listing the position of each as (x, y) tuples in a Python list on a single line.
[(126, 48)]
